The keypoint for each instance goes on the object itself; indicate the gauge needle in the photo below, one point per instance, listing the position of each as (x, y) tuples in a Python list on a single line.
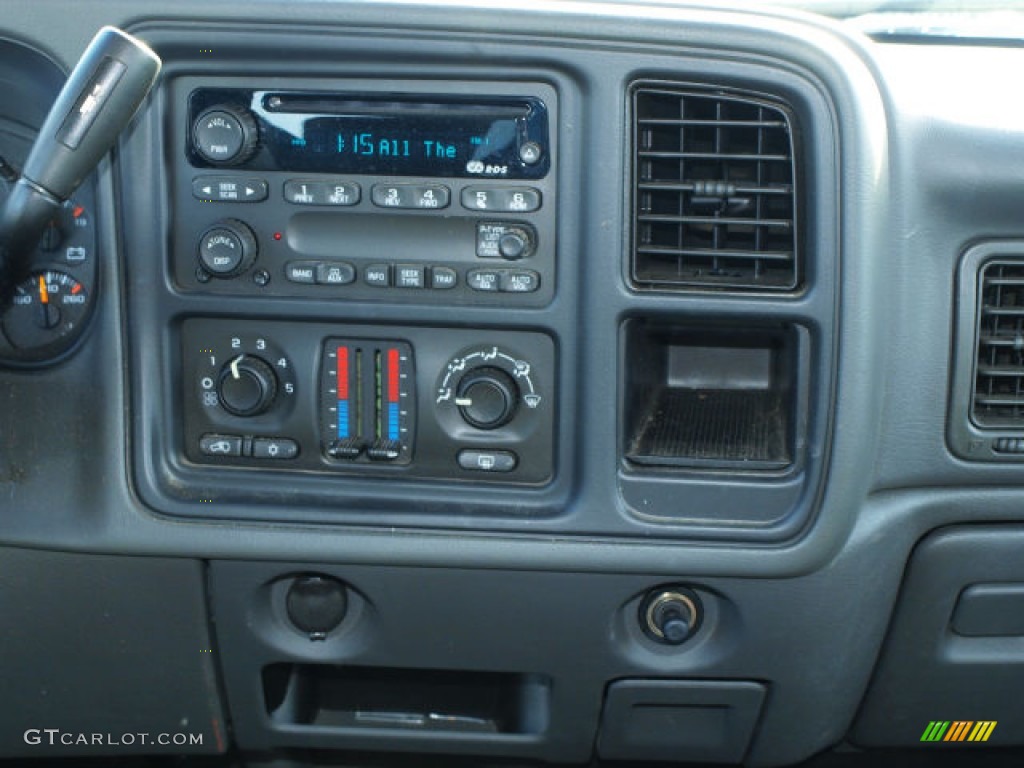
[(234, 368), (44, 294)]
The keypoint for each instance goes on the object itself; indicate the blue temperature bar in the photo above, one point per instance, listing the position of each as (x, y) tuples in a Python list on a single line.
[(393, 421)]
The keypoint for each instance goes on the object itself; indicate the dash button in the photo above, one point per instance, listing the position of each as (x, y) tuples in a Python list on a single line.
[(488, 461)]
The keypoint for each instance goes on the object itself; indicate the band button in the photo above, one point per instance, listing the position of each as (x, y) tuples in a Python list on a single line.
[(301, 271)]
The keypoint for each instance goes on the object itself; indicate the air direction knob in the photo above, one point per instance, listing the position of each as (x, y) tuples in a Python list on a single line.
[(487, 398)]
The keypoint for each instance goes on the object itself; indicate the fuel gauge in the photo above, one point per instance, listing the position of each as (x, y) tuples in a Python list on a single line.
[(47, 307)]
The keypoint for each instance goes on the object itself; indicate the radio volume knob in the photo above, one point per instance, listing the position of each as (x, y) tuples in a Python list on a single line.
[(225, 135), (487, 397)]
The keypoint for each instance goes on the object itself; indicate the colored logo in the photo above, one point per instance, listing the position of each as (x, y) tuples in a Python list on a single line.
[(959, 730)]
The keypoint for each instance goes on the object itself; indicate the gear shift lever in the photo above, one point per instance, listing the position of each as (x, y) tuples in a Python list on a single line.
[(100, 97)]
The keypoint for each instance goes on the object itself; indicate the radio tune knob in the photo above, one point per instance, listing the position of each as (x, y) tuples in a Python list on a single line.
[(228, 248), (487, 398), (246, 386), (516, 243), (225, 135)]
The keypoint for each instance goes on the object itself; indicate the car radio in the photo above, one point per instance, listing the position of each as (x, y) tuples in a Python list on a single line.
[(343, 191)]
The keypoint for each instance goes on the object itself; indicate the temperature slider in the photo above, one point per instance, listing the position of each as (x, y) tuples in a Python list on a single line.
[(367, 400)]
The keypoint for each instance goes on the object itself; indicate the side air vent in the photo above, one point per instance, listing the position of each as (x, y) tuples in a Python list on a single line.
[(999, 369), (715, 191), (986, 405)]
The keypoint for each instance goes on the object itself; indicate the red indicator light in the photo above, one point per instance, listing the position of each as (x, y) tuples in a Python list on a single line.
[(393, 365), (277, 235), (79, 210)]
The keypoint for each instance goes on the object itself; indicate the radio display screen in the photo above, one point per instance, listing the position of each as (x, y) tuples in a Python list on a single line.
[(396, 135)]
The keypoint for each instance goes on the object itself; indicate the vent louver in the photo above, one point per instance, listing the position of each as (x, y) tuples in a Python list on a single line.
[(999, 369), (715, 191)]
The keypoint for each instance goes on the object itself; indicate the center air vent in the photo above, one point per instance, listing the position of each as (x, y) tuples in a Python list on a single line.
[(715, 192), (999, 372)]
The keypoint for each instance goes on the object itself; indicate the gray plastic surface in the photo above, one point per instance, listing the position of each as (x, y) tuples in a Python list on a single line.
[(927, 163), (990, 610), (928, 670), (106, 656), (707, 720)]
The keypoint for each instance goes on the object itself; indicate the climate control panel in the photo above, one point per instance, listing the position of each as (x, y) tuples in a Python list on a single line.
[(437, 403)]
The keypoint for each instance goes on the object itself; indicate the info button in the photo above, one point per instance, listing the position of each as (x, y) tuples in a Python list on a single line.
[(378, 275)]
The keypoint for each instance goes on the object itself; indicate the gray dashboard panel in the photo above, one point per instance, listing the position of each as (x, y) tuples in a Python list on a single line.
[(833, 60), (106, 655), (928, 164)]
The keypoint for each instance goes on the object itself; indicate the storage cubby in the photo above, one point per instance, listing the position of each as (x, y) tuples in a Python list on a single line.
[(709, 396), (337, 697)]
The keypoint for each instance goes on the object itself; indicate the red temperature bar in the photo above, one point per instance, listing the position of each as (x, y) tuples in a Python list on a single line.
[(393, 371), (343, 373)]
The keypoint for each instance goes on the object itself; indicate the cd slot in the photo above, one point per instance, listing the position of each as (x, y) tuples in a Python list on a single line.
[(328, 104)]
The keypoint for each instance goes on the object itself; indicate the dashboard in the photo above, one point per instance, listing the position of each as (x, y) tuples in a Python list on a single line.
[(558, 382)]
